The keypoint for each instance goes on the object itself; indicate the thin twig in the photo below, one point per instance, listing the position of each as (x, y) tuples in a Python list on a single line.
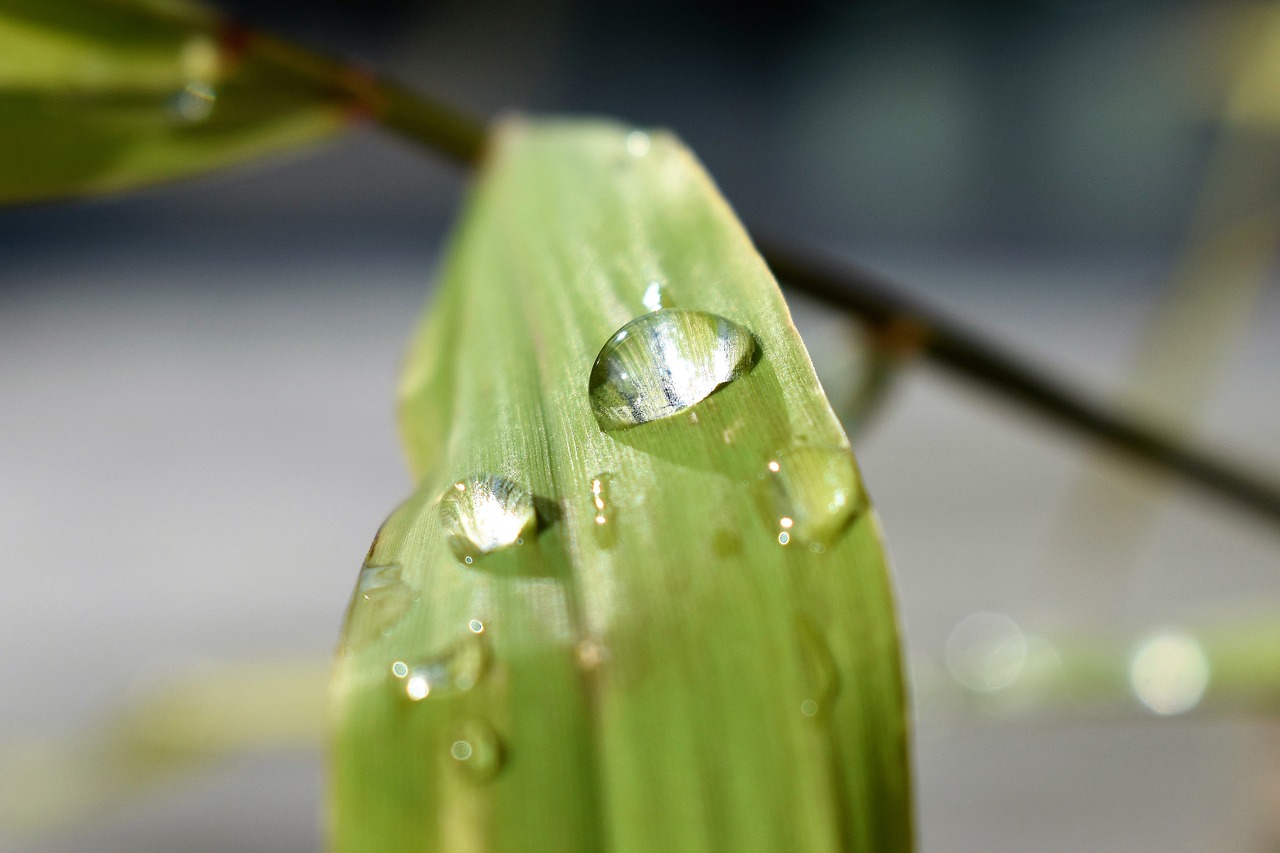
[(968, 354), (902, 321)]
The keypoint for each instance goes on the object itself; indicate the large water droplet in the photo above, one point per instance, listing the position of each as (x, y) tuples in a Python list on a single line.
[(815, 493), (485, 513), (478, 751), (455, 670), (383, 599), (821, 675), (663, 363)]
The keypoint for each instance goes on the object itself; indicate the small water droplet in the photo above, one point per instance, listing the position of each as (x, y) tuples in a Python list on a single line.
[(815, 493), (818, 666), (475, 626), (477, 751), (455, 670), (485, 513), (194, 103), (383, 599), (637, 143), (664, 363)]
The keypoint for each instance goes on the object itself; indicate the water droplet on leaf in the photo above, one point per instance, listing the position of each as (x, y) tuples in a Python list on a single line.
[(485, 513), (821, 675), (194, 103), (637, 143), (604, 518), (477, 751), (383, 599), (664, 363), (815, 493), (456, 670)]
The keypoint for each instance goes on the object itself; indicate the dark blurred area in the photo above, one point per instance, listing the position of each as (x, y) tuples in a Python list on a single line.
[(1033, 127)]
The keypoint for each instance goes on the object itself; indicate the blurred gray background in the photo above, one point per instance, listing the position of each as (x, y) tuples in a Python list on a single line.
[(196, 426)]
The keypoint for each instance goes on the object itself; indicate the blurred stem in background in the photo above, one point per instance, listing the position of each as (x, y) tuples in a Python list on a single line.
[(900, 326), (1230, 248)]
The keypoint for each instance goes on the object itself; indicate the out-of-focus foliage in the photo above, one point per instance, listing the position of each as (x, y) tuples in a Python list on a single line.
[(102, 95)]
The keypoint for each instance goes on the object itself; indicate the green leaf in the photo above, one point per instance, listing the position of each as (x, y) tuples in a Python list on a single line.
[(99, 96), (577, 636)]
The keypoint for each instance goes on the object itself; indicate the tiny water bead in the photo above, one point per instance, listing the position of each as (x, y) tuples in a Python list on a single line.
[(478, 751), (665, 362), (484, 513), (638, 143), (814, 493), (194, 103), (383, 598), (455, 670), (818, 666)]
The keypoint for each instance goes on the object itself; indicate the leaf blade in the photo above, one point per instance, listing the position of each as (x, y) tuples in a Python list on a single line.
[(672, 661)]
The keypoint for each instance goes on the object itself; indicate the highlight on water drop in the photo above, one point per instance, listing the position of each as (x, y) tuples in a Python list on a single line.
[(484, 513), (664, 363)]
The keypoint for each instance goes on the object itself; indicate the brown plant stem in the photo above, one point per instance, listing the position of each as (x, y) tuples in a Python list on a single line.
[(902, 323)]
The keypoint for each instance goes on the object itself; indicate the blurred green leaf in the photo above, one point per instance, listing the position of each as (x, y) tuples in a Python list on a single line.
[(576, 636), (104, 95)]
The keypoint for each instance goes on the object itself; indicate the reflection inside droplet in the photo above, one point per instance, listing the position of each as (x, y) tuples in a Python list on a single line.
[(485, 513), (665, 362), (652, 298), (986, 652), (1169, 673), (456, 670)]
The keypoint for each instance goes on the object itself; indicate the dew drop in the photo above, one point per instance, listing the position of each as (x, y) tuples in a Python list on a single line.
[(665, 362), (637, 143), (455, 670), (485, 513), (194, 103), (814, 493), (818, 666), (382, 599), (477, 752)]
